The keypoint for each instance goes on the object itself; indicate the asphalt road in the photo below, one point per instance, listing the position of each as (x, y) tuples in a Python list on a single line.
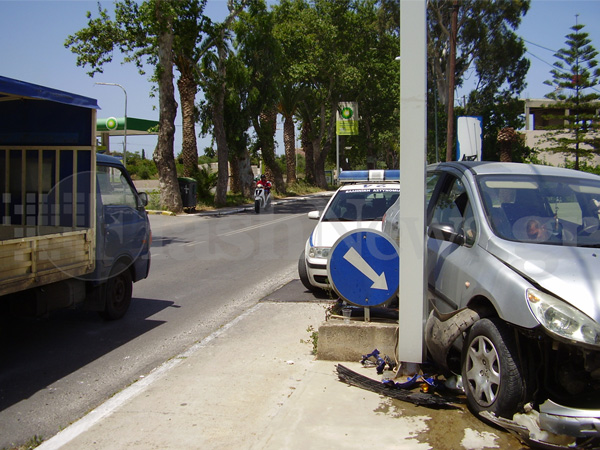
[(205, 271)]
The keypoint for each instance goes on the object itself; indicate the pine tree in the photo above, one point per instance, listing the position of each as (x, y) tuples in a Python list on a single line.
[(574, 77)]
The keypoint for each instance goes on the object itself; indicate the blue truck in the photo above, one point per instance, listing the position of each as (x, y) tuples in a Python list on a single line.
[(73, 229)]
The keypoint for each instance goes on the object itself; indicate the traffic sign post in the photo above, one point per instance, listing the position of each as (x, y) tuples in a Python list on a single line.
[(363, 268)]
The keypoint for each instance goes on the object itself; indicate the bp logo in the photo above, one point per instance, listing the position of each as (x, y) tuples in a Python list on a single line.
[(346, 113), (111, 123)]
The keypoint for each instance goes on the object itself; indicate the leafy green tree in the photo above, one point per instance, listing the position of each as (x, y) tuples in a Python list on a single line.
[(489, 52), (261, 52), (298, 86), (213, 72), (237, 125), (376, 84), (142, 31), (164, 153), (574, 76), (342, 51), (190, 42)]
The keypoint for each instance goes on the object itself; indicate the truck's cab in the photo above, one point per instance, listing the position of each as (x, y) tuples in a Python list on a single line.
[(123, 236)]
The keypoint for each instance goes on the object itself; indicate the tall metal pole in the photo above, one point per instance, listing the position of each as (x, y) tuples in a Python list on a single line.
[(337, 158), (413, 151), (124, 121)]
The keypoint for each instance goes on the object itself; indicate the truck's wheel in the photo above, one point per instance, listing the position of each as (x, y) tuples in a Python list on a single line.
[(118, 292), (491, 372)]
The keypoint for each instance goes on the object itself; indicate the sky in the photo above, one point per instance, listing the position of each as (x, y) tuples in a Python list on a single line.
[(33, 32)]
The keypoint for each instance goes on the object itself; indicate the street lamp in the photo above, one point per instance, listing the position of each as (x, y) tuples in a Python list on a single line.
[(124, 121)]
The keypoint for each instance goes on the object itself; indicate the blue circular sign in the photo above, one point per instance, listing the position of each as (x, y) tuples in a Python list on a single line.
[(363, 267)]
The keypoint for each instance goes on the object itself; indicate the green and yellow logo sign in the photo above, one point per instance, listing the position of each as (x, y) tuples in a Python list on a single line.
[(346, 113), (347, 118), (111, 123)]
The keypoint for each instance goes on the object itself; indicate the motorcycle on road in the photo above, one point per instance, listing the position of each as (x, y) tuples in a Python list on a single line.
[(262, 197)]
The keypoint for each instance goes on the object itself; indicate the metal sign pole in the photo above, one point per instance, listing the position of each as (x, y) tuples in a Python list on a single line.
[(413, 151)]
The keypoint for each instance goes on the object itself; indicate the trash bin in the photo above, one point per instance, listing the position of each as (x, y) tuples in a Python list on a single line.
[(188, 187)]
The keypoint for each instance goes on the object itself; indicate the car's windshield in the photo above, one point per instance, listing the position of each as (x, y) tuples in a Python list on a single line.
[(543, 209), (360, 204)]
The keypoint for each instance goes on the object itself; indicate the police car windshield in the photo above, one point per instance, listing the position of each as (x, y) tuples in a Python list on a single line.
[(355, 205)]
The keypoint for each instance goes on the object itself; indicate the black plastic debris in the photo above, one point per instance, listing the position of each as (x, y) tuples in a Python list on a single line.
[(396, 390)]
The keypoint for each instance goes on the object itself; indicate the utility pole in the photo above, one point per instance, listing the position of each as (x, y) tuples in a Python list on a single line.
[(451, 81), (124, 120)]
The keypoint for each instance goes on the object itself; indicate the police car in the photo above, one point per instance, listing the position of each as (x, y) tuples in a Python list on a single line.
[(361, 201)]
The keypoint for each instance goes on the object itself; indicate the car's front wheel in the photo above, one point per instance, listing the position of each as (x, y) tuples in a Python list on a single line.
[(492, 374), (302, 272)]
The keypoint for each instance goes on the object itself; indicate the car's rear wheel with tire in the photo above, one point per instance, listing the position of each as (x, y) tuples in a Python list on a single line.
[(302, 272), (492, 374), (118, 292)]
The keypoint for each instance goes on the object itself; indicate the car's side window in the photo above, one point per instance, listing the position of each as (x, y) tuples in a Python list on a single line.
[(453, 209), (431, 182), (114, 188)]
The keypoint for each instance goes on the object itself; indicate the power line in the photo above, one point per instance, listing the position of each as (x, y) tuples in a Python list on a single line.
[(540, 59), (540, 46)]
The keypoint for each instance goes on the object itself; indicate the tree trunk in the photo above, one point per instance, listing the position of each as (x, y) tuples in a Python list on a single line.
[(219, 128), (235, 182), (189, 147), (170, 197), (307, 147), (451, 82), (246, 177), (320, 152), (506, 139), (371, 152), (268, 126), (289, 141)]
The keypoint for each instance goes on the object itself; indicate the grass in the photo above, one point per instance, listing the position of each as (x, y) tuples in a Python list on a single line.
[(34, 442), (313, 339)]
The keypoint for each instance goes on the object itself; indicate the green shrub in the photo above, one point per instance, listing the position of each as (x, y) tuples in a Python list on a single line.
[(206, 181), (153, 200), (142, 169)]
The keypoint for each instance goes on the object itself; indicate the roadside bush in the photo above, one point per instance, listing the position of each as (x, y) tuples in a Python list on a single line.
[(206, 182), (142, 169), (153, 200)]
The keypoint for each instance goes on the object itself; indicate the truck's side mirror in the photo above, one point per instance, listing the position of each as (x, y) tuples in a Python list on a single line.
[(143, 198)]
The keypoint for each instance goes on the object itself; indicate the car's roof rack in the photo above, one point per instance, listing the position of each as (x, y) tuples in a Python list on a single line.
[(361, 176)]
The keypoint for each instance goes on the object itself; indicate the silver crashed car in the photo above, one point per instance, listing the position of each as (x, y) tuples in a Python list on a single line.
[(513, 275)]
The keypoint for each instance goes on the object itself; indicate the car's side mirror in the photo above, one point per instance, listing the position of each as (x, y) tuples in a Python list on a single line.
[(143, 198), (445, 232), (314, 215)]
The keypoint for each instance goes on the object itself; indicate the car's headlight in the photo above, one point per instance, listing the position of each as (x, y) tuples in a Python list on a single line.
[(562, 319), (319, 252)]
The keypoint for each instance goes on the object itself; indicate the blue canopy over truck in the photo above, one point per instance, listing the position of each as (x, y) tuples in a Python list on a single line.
[(73, 228)]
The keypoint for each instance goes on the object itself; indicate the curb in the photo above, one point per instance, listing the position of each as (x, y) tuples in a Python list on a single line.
[(225, 212), (160, 213)]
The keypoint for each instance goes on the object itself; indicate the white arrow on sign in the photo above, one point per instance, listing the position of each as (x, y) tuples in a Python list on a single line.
[(354, 258)]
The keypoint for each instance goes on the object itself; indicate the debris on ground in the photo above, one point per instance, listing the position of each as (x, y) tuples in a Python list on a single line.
[(373, 359), (388, 388)]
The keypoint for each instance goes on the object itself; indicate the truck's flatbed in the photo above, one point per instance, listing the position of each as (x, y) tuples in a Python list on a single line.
[(47, 255)]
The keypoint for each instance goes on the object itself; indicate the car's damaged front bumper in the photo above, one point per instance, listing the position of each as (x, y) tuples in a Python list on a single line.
[(579, 423)]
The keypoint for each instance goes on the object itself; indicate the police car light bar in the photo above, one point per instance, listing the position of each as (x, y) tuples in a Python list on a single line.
[(359, 176)]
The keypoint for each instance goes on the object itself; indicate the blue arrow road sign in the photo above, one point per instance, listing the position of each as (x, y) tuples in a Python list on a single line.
[(363, 267)]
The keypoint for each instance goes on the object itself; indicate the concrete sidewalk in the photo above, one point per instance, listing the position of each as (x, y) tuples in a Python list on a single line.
[(255, 384)]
